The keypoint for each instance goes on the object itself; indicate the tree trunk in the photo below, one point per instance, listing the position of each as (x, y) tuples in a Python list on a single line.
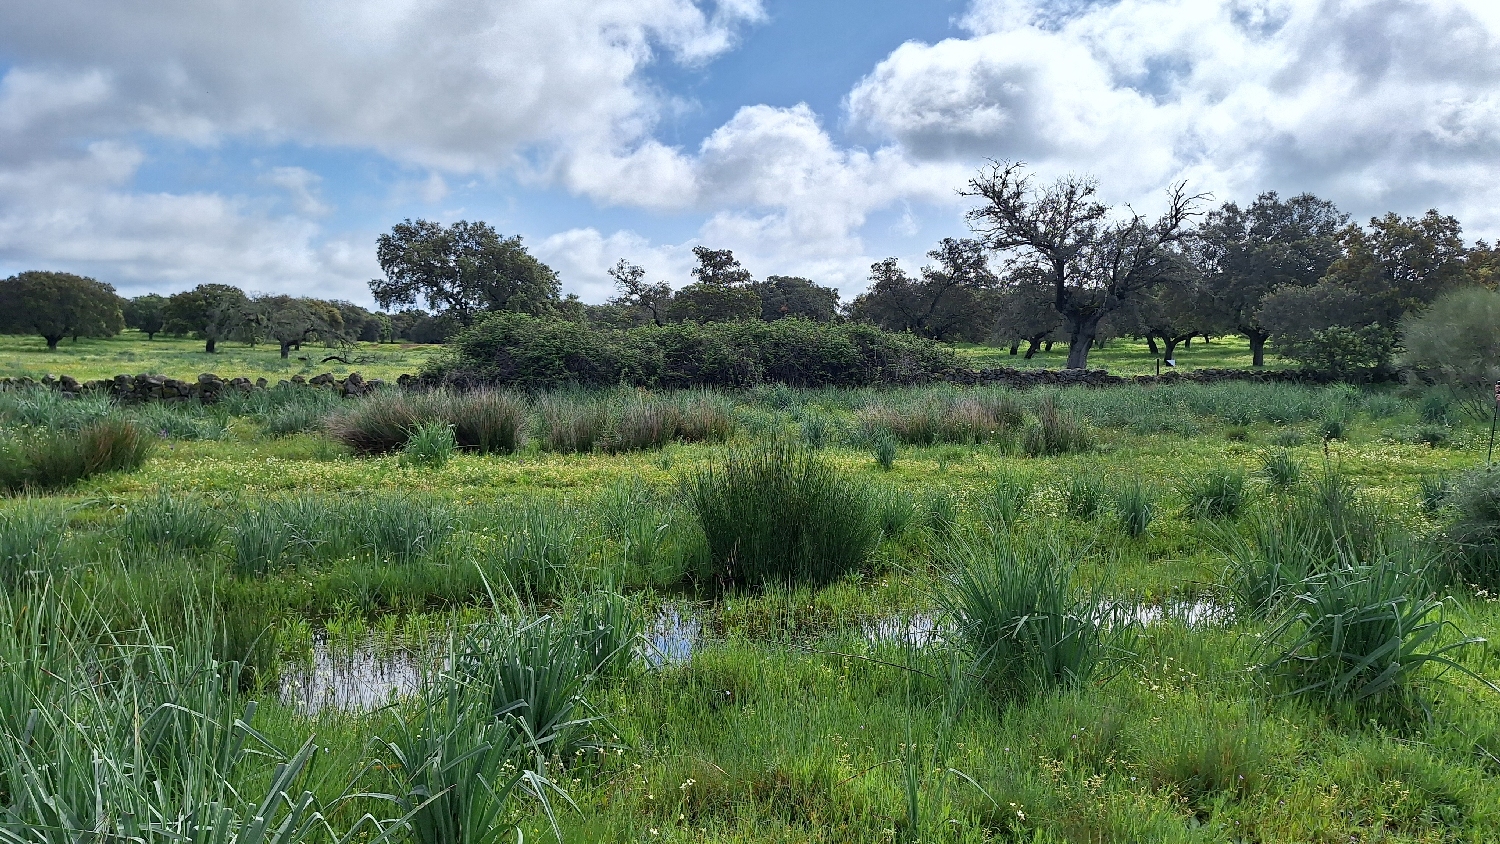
[(285, 347), (1032, 345), (1047, 347), (208, 345), (1171, 347), (52, 341), (1188, 343), (1081, 340), (1015, 347), (150, 335), (1257, 348), (1151, 344)]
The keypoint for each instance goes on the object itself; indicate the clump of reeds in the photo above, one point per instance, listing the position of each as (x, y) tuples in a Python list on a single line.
[(1135, 507), (30, 534), (1054, 432), (50, 459), (429, 446), (781, 515), (485, 421), (1021, 620), (1218, 494), (1365, 627), (172, 521)]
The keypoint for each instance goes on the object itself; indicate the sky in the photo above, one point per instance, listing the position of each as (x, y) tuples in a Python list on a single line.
[(160, 144)]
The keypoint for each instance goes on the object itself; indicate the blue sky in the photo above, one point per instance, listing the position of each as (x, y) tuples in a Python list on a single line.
[(157, 144)]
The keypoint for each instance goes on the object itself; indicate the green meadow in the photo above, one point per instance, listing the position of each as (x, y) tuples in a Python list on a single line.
[(1196, 613)]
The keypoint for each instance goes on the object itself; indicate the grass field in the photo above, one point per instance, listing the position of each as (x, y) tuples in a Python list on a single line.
[(1124, 356), (851, 710), (131, 353)]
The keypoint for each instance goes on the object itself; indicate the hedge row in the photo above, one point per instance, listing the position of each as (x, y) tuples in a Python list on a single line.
[(516, 350)]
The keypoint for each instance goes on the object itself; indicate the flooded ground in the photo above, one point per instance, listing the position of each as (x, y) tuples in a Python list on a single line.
[(367, 676)]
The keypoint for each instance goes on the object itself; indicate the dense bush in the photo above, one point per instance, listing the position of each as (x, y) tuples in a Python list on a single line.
[(515, 350), (781, 515), (1474, 530), (1454, 342)]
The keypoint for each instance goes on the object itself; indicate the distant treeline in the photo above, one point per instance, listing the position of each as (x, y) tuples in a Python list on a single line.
[(1045, 264)]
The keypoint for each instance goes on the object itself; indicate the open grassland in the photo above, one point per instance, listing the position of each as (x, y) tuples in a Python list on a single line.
[(934, 614), (179, 357), (131, 353), (1126, 356)]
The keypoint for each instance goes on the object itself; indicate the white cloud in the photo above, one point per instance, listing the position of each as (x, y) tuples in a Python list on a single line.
[(1377, 104), (301, 186)]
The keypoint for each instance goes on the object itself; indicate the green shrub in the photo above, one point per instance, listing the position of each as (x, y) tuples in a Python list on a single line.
[(529, 353), (1219, 494), (1474, 528), (780, 515), (30, 537), (176, 522), (1135, 507), (1020, 619), (1362, 629), (430, 445), (1453, 342)]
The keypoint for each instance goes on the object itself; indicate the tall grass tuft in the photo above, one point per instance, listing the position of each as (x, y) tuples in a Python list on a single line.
[(1219, 494), (1135, 507), (1280, 469), (30, 536), (1021, 620), (1085, 496), (1007, 500), (1473, 529), (486, 421), (781, 515), (935, 419), (1054, 432), (430, 445), (532, 548), (52, 459), (175, 522), (885, 447), (400, 529), (1362, 629)]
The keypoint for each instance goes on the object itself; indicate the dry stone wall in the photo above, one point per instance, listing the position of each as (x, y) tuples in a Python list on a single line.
[(208, 388)]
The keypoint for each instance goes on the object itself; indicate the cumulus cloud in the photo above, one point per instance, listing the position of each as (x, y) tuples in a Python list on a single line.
[(1374, 103)]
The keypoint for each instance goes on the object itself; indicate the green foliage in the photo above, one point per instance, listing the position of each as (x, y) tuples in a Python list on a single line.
[(170, 521), (626, 421), (461, 271), (1054, 432), (484, 421), (781, 515), (1280, 469), (49, 460), (512, 350), (885, 447), (1434, 489), (1007, 500), (430, 445), (400, 529), (945, 419), (58, 305), (1086, 496), (1454, 342), (1362, 629), (1218, 494), (1020, 618), (1135, 507), (531, 548), (30, 536)]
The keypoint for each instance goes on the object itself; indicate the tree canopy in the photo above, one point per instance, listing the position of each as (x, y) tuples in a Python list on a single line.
[(147, 314), (58, 305), (461, 270), (210, 312)]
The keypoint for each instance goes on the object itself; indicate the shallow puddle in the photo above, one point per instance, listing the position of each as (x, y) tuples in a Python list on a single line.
[(362, 679)]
